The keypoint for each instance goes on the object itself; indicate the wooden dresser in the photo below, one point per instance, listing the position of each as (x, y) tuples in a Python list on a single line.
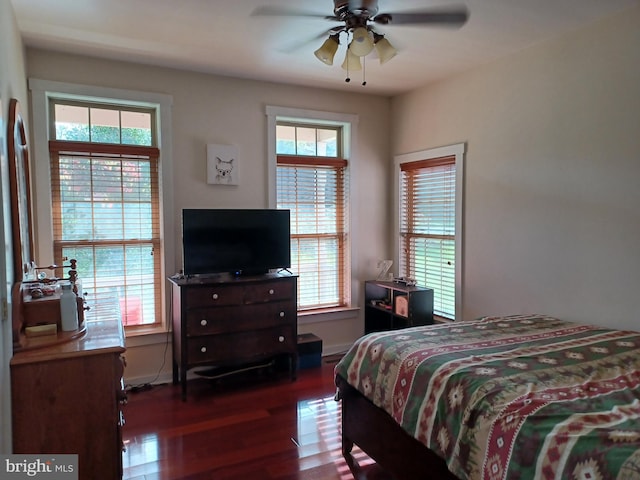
[(230, 321), (67, 398)]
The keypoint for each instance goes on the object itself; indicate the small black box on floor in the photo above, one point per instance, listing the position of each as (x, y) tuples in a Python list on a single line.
[(309, 350)]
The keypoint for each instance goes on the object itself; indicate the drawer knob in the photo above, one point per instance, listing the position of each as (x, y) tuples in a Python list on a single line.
[(271, 292), (203, 349), (203, 322), (281, 339), (214, 296), (281, 314)]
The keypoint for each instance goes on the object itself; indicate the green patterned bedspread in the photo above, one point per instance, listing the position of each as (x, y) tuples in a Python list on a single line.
[(517, 397)]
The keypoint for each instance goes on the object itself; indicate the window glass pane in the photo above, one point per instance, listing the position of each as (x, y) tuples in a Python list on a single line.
[(433, 265), (136, 221), (84, 257), (433, 200), (313, 201), (121, 194), (75, 175), (106, 180), (285, 140), (105, 125), (107, 221), (317, 263), (305, 141), (136, 128), (137, 297), (100, 272), (101, 295), (136, 181), (327, 143), (77, 222), (72, 123), (109, 262)]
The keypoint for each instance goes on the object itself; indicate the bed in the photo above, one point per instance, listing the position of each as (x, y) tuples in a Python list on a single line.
[(514, 397)]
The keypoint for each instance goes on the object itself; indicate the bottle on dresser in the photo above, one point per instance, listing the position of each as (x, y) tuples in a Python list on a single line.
[(68, 309)]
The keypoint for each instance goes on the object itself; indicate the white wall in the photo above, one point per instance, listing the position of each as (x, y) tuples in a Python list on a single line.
[(552, 197), (12, 85), (213, 109)]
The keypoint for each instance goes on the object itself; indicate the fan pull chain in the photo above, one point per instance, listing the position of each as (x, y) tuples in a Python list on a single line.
[(348, 44), (364, 71)]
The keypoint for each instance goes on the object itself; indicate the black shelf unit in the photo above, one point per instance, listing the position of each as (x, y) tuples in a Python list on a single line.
[(381, 309)]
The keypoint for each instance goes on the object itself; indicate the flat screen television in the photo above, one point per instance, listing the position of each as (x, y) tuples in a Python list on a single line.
[(236, 241)]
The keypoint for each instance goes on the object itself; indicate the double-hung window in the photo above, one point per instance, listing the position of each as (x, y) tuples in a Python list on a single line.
[(311, 182), (105, 204), (429, 238)]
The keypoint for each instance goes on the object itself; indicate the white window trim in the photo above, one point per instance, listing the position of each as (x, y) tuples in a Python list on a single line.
[(349, 124), (458, 151), (41, 92)]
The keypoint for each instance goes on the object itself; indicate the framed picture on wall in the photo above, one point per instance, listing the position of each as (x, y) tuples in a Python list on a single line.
[(222, 164)]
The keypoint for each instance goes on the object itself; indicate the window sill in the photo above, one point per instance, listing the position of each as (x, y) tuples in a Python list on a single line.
[(153, 335), (327, 315)]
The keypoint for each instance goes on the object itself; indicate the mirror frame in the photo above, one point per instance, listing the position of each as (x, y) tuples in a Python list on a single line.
[(20, 188)]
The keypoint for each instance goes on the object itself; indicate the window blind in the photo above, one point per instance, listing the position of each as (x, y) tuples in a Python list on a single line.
[(427, 228), (314, 190), (105, 207)]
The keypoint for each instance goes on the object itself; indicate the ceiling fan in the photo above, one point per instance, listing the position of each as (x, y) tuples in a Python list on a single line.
[(357, 20)]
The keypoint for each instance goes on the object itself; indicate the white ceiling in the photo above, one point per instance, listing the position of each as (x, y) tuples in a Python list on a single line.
[(222, 37)]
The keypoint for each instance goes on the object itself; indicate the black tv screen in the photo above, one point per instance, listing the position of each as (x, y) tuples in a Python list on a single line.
[(237, 241)]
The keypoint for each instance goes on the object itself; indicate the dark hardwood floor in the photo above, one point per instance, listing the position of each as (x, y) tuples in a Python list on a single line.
[(256, 425)]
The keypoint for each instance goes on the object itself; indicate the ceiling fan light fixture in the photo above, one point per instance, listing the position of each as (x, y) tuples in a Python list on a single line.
[(385, 50), (351, 62), (328, 49), (362, 43)]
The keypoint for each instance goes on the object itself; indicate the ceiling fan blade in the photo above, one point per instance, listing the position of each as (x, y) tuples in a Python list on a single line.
[(270, 11), (292, 47), (455, 17)]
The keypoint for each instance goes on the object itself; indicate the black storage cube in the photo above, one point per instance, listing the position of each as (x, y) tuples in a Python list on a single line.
[(309, 350)]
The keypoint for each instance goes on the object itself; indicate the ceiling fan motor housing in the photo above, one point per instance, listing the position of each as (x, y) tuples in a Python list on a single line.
[(365, 9)]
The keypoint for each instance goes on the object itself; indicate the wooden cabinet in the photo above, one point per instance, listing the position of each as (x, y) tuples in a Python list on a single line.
[(67, 399), (228, 321), (391, 305)]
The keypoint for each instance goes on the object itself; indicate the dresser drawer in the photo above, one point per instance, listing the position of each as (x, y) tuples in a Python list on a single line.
[(269, 292), (208, 321), (241, 346), (214, 295)]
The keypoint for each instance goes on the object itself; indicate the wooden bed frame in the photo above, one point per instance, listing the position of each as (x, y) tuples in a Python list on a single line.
[(380, 437)]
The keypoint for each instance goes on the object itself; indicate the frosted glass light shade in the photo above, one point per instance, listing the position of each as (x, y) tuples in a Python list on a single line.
[(362, 43), (351, 62), (385, 50), (328, 50)]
